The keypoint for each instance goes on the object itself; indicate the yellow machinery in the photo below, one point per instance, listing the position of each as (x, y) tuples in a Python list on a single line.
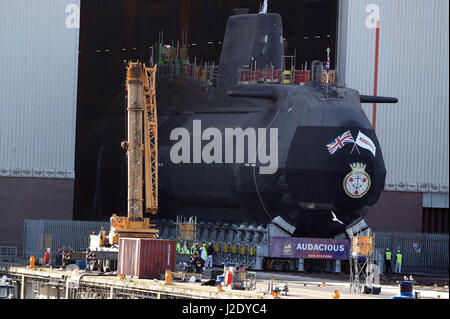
[(142, 155), (363, 270), (226, 248), (287, 77), (142, 151), (362, 246), (186, 230)]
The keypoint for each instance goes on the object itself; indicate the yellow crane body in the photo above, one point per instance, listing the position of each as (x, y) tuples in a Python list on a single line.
[(142, 155)]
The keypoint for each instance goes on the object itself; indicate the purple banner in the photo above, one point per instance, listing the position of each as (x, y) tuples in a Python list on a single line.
[(312, 248)]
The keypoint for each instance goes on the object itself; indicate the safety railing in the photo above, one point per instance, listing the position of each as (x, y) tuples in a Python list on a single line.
[(204, 72), (210, 73), (270, 75)]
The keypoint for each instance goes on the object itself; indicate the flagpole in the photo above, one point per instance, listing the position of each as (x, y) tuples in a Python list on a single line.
[(263, 7), (328, 64), (353, 148), (377, 47)]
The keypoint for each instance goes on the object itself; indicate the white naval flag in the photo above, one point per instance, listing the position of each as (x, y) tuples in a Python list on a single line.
[(365, 142), (263, 8)]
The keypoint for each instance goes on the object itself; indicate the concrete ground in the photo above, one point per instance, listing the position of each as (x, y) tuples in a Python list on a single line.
[(311, 286), (303, 287)]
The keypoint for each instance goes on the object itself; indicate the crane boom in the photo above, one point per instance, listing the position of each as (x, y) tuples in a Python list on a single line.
[(142, 153), (151, 142)]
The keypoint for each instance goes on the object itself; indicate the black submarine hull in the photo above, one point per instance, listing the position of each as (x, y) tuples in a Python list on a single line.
[(284, 166), (308, 182)]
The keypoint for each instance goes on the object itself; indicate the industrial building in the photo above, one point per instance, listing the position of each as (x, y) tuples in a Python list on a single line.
[(38, 105), (413, 133), (62, 106)]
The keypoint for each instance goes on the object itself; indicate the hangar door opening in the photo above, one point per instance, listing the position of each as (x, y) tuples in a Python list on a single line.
[(114, 31)]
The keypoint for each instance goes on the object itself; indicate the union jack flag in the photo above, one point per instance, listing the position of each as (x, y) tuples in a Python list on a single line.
[(340, 142), (328, 64)]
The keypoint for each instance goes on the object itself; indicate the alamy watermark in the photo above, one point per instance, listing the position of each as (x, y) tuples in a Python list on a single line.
[(374, 16), (73, 19), (212, 152)]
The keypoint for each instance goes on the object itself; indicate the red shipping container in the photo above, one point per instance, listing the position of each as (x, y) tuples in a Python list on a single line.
[(146, 258)]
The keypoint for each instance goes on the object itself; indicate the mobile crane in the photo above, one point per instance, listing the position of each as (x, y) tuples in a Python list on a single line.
[(142, 158)]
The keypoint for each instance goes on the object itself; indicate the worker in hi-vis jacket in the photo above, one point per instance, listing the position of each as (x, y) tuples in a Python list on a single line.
[(398, 262), (387, 261)]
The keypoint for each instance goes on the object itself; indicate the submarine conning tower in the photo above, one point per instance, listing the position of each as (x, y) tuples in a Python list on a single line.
[(251, 37)]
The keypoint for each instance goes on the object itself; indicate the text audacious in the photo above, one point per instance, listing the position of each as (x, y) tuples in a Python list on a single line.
[(320, 247)]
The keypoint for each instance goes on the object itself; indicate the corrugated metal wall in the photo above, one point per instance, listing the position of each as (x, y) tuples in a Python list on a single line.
[(422, 253), (42, 234), (38, 88), (413, 66)]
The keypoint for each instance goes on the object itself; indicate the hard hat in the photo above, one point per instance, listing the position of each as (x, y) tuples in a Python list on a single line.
[(387, 248), (398, 250)]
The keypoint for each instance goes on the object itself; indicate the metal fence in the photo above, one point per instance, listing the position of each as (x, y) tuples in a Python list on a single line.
[(8, 253), (204, 72), (42, 234), (422, 253), (232, 243)]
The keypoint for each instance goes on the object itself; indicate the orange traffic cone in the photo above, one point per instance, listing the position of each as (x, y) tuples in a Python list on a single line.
[(336, 294), (32, 262), (168, 277)]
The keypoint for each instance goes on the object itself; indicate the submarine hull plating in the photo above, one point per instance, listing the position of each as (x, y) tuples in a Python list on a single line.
[(305, 153), (308, 183)]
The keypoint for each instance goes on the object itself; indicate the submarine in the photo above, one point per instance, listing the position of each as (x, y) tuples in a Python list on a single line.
[(233, 152)]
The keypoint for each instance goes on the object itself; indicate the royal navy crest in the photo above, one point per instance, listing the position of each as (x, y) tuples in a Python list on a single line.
[(357, 182)]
